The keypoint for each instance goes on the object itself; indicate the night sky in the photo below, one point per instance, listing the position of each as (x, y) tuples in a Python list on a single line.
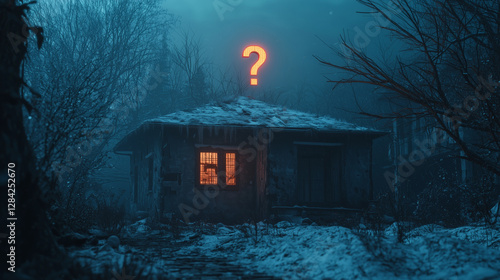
[(291, 31)]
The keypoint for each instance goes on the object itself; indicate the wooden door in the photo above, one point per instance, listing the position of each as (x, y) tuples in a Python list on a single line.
[(319, 181)]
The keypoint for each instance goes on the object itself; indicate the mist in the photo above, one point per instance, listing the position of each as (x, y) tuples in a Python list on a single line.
[(138, 144), (290, 31)]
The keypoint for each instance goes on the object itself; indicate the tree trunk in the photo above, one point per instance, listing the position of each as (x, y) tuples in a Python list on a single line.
[(33, 237)]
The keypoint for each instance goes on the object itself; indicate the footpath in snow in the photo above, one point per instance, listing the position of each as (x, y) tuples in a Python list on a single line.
[(318, 252), (292, 251)]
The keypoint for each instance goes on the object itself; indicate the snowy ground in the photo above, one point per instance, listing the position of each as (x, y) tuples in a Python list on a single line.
[(305, 252)]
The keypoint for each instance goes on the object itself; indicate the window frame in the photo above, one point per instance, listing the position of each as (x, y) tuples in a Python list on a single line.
[(217, 168), (221, 165), (225, 168)]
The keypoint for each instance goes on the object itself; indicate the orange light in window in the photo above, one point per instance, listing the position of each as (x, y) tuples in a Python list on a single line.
[(230, 169), (208, 168)]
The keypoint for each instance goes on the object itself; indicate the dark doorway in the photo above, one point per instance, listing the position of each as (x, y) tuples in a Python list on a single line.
[(136, 183), (319, 176)]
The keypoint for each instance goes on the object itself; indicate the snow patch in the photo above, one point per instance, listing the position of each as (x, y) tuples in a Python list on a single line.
[(248, 112)]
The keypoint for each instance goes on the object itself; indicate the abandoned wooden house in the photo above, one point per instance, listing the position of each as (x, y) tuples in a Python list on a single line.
[(246, 159)]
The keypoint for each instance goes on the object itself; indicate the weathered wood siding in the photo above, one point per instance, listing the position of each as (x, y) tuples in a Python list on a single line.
[(144, 156), (268, 171), (180, 148), (354, 178)]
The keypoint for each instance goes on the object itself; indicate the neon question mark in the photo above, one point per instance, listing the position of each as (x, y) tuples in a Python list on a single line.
[(262, 58)]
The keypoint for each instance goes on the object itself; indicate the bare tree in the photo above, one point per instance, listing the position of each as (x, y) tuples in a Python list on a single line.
[(224, 83), (196, 79), (447, 71), (188, 58), (91, 63)]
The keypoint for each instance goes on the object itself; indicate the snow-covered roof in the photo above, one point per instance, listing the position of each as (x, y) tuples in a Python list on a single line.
[(246, 112)]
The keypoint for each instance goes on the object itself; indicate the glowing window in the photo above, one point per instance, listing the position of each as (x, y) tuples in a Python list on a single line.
[(208, 168), (230, 169)]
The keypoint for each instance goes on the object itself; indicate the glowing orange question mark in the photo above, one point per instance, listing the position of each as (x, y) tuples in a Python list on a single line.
[(262, 58)]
